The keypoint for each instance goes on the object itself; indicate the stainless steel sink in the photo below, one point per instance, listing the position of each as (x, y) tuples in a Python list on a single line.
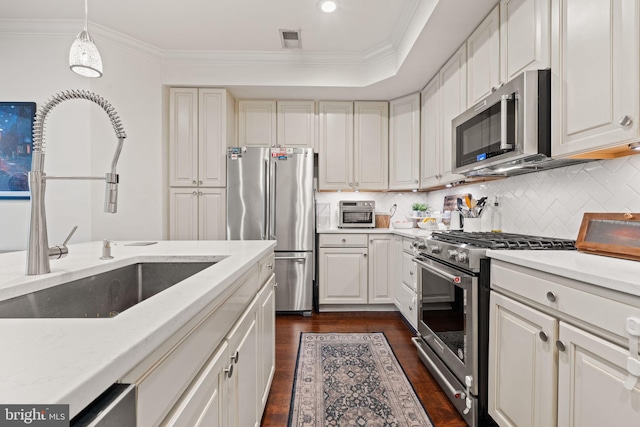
[(101, 295)]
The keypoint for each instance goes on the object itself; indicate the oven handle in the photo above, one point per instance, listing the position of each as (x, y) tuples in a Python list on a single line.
[(445, 275), (456, 394)]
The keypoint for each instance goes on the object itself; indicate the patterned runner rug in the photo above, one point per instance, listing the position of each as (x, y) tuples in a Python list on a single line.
[(352, 380)]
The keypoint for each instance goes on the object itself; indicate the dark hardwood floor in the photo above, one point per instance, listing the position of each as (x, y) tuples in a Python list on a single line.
[(398, 333)]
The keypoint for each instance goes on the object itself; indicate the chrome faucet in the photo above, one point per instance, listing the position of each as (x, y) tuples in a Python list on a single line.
[(38, 251)]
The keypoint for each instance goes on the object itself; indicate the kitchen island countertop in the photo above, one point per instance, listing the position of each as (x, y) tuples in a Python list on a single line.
[(72, 361), (611, 273)]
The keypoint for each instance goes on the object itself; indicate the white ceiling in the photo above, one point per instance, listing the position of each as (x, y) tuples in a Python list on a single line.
[(395, 46)]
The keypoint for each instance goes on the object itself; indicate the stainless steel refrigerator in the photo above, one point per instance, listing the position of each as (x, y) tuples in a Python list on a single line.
[(270, 197)]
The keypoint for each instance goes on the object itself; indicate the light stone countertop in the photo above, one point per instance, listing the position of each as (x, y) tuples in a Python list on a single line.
[(612, 273), (405, 232), (72, 361)]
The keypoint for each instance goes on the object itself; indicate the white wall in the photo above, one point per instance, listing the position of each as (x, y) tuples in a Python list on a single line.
[(79, 140)]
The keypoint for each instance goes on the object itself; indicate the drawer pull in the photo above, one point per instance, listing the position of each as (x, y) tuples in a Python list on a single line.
[(270, 266), (235, 357), (560, 345), (551, 296), (344, 240), (411, 273), (543, 336), (229, 371), (364, 255)]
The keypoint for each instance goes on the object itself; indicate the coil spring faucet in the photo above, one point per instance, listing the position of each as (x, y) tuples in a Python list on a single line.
[(38, 251)]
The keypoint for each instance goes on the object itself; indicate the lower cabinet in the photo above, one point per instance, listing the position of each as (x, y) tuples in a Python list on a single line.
[(557, 353), (197, 214), (406, 295), (266, 340)]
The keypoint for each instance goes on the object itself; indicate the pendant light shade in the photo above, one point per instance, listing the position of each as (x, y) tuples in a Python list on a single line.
[(84, 58)]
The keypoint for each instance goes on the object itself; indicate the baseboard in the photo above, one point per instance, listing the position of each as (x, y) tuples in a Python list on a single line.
[(324, 308)]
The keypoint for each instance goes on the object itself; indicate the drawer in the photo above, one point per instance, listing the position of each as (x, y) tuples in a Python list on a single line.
[(406, 244), (409, 271), (340, 239), (265, 268), (564, 296), (408, 305)]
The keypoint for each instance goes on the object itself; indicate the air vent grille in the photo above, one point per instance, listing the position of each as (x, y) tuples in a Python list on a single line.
[(290, 39)]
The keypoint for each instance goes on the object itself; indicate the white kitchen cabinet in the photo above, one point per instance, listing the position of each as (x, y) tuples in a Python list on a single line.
[(371, 145), (201, 126), (197, 213), (558, 351), (525, 36), (595, 75), (591, 376), (335, 145), (381, 269), (257, 123), (522, 387), (245, 394), (430, 135), (404, 143), (397, 280), (406, 298), (296, 124), (343, 275), (267, 339), (483, 58)]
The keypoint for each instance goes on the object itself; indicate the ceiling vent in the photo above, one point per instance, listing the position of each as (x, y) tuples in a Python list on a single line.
[(290, 39)]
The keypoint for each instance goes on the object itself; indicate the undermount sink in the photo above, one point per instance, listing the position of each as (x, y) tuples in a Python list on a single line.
[(102, 295)]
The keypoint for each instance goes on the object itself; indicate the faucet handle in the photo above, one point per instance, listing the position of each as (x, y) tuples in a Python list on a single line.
[(61, 251)]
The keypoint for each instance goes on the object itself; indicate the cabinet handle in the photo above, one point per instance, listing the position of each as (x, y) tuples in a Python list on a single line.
[(344, 240), (551, 296), (270, 266), (229, 371), (200, 182), (371, 241), (560, 345), (415, 182), (625, 121), (200, 193), (357, 183), (543, 336), (411, 273), (275, 284), (235, 357), (410, 308), (364, 255), (195, 193), (351, 184)]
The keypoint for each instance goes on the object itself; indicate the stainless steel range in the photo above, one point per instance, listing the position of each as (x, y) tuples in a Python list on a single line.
[(453, 316)]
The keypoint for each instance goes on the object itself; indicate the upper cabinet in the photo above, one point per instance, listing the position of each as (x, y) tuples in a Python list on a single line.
[(525, 36), (256, 123), (296, 124), (483, 58), (430, 130), (404, 143), (353, 147), (595, 76), (201, 126)]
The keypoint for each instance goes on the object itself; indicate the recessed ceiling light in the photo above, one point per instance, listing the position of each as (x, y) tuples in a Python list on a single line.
[(328, 6)]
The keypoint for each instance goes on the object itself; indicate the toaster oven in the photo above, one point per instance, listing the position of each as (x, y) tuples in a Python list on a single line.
[(357, 214)]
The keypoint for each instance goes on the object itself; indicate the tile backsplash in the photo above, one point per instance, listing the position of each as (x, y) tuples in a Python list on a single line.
[(548, 203)]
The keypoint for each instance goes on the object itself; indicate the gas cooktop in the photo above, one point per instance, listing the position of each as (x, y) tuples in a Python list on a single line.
[(490, 240)]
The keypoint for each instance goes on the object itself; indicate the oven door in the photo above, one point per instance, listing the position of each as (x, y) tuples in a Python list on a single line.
[(448, 306)]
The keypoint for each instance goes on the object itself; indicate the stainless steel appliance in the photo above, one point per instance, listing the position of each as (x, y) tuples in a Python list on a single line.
[(453, 312), (357, 214), (270, 197), (508, 132)]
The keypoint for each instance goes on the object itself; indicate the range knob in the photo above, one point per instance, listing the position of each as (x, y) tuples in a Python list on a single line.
[(452, 253), (418, 244), (461, 257), (435, 249)]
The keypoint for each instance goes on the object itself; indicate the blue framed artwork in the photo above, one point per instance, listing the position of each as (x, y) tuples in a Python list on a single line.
[(16, 143)]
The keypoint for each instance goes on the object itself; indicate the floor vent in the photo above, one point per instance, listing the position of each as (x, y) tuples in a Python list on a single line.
[(291, 39)]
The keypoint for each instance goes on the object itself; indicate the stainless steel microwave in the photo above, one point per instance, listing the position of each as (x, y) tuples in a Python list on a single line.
[(357, 214), (508, 130)]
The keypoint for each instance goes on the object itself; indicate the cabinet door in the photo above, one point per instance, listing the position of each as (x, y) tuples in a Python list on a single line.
[(183, 137), (525, 36), (183, 218), (296, 124), (371, 146), (430, 145), (591, 376), (256, 123), (212, 141), (409, 271), (205, 403), (404, 143), (267, 328), (244, 390), (336, 146), (409, 305), (397, 280), (483, 58), (522, 370), (594, 74), (212, 214), (343, 275), (453, 101), (381, 269)]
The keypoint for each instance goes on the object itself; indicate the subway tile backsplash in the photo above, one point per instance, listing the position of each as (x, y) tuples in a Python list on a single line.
[(548, 203)]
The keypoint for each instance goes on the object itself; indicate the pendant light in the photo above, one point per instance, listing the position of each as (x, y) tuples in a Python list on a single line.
[(84, 57)]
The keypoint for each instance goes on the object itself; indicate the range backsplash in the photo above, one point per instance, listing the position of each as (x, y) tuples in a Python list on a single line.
[(548, 203)]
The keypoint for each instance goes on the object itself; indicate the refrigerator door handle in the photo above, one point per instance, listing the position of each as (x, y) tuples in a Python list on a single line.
[(265, 207), (292, 258), (272, 204)]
